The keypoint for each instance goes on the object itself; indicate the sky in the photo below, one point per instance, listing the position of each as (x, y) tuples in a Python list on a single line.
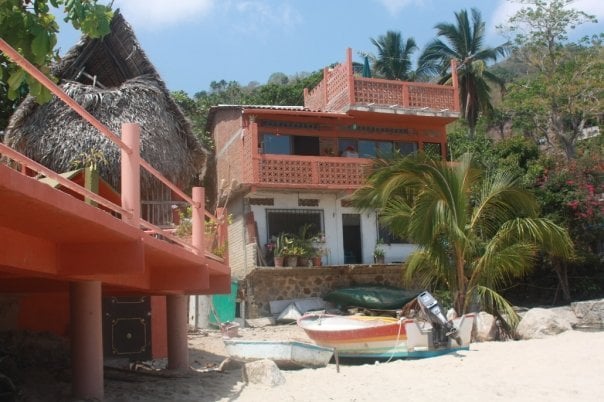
[(194, 42)]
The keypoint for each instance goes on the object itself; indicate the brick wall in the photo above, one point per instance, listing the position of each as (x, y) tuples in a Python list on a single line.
[(229, 146), (265, 284)]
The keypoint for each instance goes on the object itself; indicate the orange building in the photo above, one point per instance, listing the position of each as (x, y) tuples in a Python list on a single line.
[(281, 168)]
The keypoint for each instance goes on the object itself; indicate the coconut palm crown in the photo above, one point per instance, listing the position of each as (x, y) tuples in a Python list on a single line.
[(464, 41), (393, 61), (474, 232)]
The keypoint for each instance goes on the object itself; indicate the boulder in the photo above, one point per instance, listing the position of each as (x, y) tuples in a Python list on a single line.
[(263, 372), (485, 327), (540, 323), (589, 313)]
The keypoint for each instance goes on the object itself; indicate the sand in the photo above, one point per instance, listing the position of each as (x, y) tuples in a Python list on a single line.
[(564, 367)]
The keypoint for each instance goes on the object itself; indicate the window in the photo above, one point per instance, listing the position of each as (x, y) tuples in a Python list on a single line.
[(291, 220), (276, 144), (433, 149), (406, 148)]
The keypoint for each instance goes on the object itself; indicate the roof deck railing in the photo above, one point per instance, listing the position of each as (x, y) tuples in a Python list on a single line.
[(341, 88), (129, 143)]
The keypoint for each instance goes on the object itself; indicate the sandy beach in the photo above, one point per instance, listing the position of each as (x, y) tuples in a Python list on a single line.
[(559, 368)]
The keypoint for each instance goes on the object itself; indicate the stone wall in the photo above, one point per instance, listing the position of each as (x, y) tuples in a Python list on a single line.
[(263, 284)]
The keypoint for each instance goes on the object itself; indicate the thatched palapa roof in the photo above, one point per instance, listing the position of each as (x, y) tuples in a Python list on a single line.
[(115, 81)]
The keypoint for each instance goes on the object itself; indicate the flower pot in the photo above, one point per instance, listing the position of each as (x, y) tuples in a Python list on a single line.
[(316, 261), (278, 261), (303, 261), (291, 260), (379, 259)]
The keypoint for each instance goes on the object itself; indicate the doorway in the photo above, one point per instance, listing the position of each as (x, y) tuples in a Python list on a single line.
[(351, 230)]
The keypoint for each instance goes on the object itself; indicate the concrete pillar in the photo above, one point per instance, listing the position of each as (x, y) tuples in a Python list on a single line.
[(178, 348), (86, 340), (131, 172), (199, 311)]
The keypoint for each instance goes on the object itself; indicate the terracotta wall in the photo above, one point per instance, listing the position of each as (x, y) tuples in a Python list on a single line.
[(265, 284)]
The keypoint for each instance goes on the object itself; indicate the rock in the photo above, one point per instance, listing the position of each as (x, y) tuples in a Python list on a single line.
[(260, 322), (540, 323), (263, 372), (485, 327), (589, 312), (567, 313)]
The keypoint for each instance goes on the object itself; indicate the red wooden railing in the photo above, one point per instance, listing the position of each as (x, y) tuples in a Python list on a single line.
[(340, 88), (130, 214)]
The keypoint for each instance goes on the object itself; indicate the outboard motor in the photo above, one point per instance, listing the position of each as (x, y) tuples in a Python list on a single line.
[(442, 329)]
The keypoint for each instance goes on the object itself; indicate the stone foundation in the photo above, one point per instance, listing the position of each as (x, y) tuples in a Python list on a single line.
[(264, 284)]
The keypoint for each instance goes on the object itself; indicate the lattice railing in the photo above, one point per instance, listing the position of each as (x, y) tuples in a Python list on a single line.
[(308, 171), (381, 92), (341, 173), (289, 171), (337, 88), (333, 93), (434, 97)]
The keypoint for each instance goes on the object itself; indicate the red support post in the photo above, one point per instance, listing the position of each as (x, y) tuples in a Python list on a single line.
[(131, 172), (178, 348), (198, 220), (405, 94), (86, 340)]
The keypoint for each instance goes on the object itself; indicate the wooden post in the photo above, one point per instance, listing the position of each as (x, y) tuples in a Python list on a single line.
[(86, 340), (131, 172)]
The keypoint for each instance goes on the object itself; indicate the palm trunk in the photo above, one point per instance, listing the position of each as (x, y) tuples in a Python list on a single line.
[(460, 299)]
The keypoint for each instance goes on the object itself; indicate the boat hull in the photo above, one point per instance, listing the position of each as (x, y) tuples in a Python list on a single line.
[(286, 354), (381, 337)]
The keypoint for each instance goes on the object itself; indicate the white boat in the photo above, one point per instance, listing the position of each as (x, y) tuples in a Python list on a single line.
[(387, 337), (286, 354)]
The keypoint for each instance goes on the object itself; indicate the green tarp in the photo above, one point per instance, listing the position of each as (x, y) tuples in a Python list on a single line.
[(371, 297)]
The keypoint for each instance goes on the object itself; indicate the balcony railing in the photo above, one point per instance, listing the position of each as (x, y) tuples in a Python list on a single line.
[(309, 172), (340, 88)]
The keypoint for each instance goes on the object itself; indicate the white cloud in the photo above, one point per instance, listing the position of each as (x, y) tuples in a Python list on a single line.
[(156, 14), (260, 16), (395, 6), (506, 9)]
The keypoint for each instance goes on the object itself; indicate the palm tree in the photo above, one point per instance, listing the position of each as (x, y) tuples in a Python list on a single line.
[(466, 45), (394, 57), (474, 232)]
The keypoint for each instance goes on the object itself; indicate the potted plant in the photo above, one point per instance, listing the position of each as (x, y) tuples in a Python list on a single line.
[(280, 249), (378, 253), (319, 250)]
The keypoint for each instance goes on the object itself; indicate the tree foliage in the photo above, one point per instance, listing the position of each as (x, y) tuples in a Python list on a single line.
[(475, 231), (393, 61), (566, 89), (31, 28), (464, 41)]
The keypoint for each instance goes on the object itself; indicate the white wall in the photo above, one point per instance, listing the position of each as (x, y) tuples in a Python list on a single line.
[(332, 215)]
